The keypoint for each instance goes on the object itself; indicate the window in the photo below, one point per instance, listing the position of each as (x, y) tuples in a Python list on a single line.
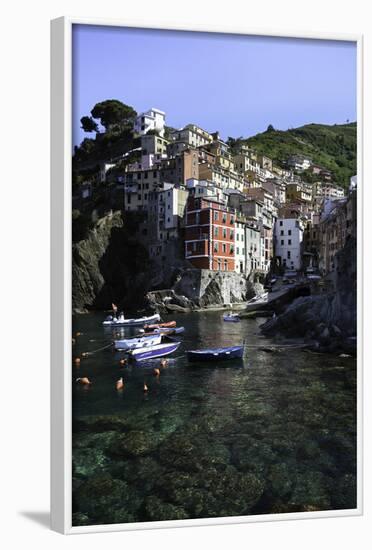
[(216, 216), (139, 197), (237, 250), (224, 248), (216, 247), (281, 233), (288, 254), (224, 233), (289, 242), (226, 265), (281, 223), (282, 242), (232, 234), (224, 218), (231, 249), (289, 232)]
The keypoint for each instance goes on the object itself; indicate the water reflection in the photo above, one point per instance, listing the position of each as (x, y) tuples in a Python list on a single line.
[(272, 433)]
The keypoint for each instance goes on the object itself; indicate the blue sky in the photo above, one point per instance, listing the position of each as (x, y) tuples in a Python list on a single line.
[(232, 83)]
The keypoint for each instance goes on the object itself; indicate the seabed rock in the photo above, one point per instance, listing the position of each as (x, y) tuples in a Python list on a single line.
[(133, 444), (214, 493), (107, 500), (158, 510)]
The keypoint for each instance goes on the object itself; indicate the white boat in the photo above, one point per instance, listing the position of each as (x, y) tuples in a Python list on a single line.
[(137, 342), (111, 321)]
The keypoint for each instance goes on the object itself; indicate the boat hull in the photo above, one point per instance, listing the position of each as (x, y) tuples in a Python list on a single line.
[(170, 331), (132, 322), (170, 324), (134, 343), (161, 350), (218, 354)]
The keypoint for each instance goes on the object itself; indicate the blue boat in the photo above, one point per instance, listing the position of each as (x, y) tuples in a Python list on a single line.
[(231, 317), (216, 354), (153, 352)]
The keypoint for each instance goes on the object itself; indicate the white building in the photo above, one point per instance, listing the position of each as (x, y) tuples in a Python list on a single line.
[(240, 250), (253, 248), (166, 211), (289, 234), (299, 162), (153, 119), (327, 190), (204, 188), (192, 135)]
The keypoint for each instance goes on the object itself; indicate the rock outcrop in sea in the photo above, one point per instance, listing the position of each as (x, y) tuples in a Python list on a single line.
[(327, 320)]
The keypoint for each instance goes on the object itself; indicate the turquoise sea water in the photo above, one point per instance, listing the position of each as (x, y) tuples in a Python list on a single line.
[(273, 433)]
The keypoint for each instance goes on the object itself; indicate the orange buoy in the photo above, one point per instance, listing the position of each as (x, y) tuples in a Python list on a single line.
[(77, 360), (120, 384), (156, 372), (145, 388), (78, 334), (164, 363), (84, 381)]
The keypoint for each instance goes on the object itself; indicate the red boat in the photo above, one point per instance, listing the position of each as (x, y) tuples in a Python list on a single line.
[(170, 324)]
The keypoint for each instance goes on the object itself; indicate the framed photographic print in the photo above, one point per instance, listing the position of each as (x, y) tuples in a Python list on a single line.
[(206, 268)]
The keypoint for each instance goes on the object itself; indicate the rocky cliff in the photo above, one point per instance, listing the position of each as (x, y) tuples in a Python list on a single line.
[(328, 320), (109, 265), (195, 288)]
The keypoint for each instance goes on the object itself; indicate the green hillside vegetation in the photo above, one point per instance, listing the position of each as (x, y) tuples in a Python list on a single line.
[(333, 147)]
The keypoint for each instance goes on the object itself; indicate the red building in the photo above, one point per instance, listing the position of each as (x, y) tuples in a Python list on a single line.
[(210, 234)]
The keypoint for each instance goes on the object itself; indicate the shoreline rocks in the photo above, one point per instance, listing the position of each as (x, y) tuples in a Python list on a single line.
[(326, 321)]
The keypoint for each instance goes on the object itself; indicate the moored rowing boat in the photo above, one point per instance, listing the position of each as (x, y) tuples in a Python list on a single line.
[(216, 354), (135, 342), (160, 350), (121, 322)]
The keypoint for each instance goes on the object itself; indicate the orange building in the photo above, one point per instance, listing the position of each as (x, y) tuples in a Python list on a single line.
[(210, 234)]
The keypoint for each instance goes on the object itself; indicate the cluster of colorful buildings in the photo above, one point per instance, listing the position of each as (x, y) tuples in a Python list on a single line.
[(232, 209)]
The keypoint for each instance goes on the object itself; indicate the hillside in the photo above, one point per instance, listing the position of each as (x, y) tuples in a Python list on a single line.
[(333, 147)]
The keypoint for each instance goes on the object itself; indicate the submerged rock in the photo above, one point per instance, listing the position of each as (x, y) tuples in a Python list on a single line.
[(100, 423), (191, 454), (104, 499), (311, 492), (158, 510), (213, 493), (79, 519), (133, 444)]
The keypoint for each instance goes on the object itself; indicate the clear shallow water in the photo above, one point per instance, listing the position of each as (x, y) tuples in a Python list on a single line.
[(272, 433)]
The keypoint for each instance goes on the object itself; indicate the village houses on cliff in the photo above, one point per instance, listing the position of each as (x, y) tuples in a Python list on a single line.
[(230, 208)]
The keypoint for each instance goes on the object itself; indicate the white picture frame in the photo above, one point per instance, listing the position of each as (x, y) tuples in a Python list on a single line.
[(61, 312)]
